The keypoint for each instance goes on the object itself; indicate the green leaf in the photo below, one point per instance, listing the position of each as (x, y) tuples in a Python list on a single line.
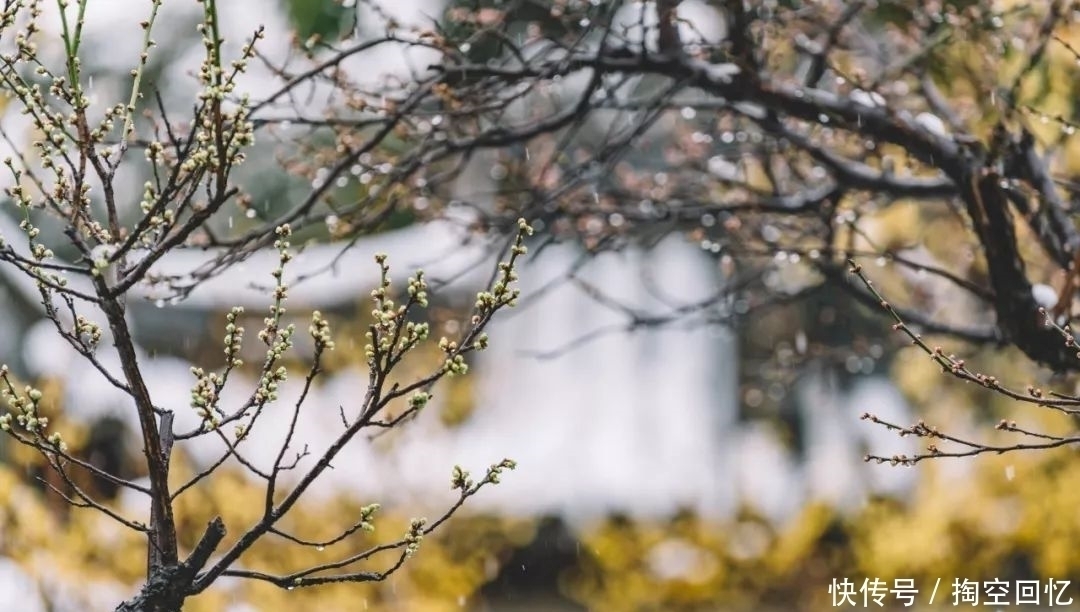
[(326, 19)]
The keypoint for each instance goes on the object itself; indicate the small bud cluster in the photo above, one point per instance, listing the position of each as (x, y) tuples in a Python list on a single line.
[(455, 365), (320, 331), (222, 134), (102, 259), (481, 342), (268, 385), (501, 293), (391, 334), (367, 517), (88, 332), (419, 400), (39, 252), (25, 414), (207, 389), (415, 536), (495, 471), (418, 288), (460, 479), (158, 219), (204, 396), (271, 334), (277, 338), (234, 337)]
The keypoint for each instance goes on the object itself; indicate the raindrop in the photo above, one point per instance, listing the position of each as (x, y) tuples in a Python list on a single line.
[(320, 548), (881, 261), (342, 181), (250, 214), (723, 168), (159, 303), (853, 364), (753, 397), (688, 113), (867, 365)]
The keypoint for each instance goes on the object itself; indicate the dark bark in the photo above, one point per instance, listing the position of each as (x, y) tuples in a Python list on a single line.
[(162, 548), (168, 587), (1017, 312)]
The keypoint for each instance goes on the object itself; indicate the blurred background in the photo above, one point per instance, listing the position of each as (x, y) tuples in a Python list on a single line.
[(665, 462)]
